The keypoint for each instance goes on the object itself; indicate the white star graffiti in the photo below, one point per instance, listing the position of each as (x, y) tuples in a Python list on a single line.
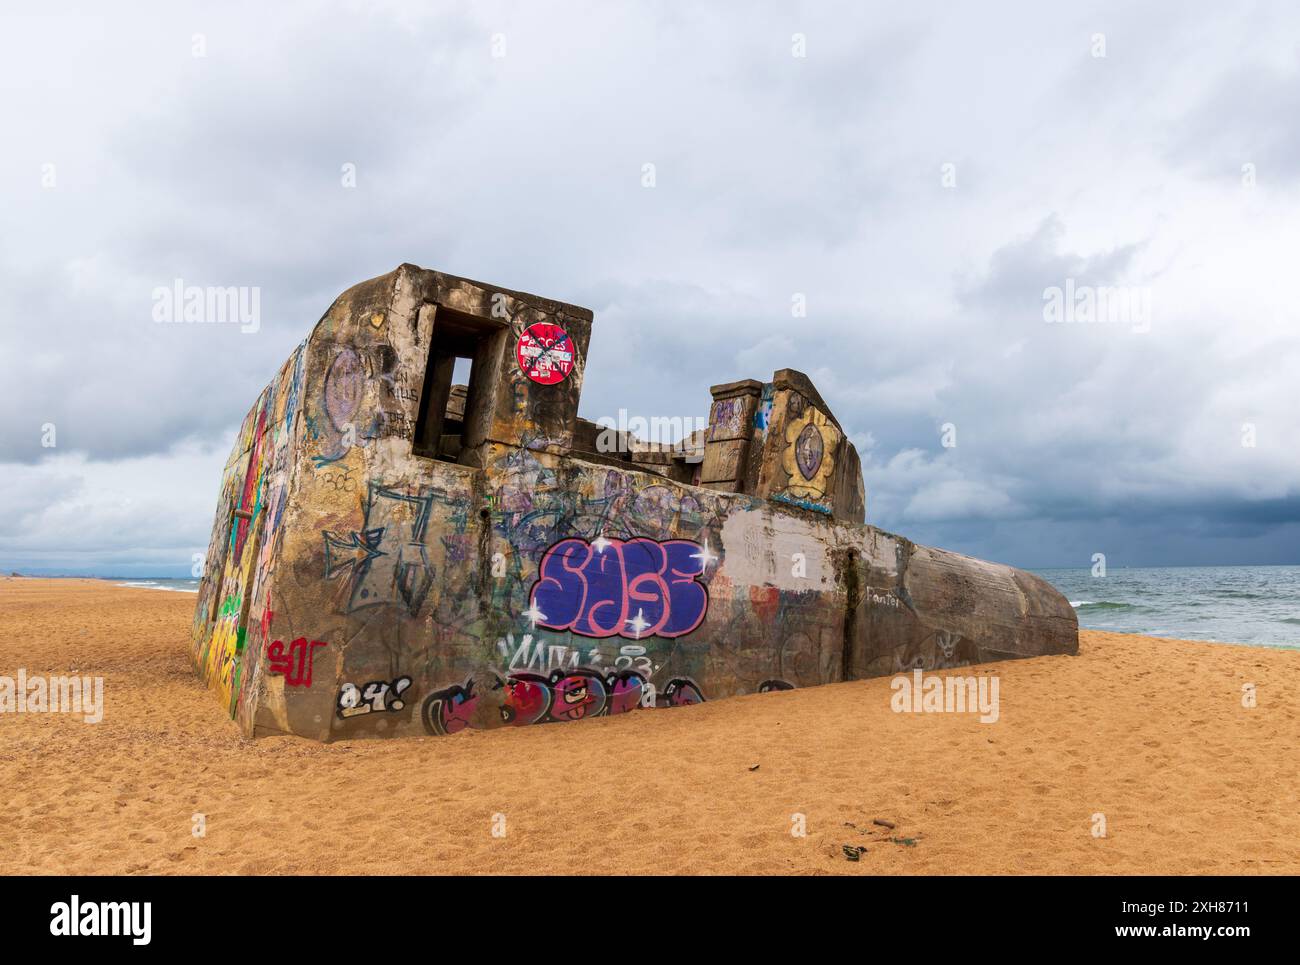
[(705, 556), (600, 543), (638, 624), (534, 614)]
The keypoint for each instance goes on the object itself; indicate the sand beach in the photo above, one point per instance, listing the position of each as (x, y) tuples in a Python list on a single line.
[(1151, 733)]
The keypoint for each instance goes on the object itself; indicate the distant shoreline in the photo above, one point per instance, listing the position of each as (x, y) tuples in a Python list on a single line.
[(170, 583), (143, 583)]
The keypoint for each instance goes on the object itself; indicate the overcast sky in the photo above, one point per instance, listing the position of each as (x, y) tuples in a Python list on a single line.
[(920, 175)]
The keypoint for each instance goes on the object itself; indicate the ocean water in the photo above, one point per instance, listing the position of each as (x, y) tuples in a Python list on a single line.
[(182, 586), (1230, 604)]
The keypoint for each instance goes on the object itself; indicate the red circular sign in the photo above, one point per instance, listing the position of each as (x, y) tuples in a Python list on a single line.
[(545, 353)]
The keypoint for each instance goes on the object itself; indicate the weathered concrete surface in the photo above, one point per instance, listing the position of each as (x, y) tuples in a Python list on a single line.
[(390, 556)]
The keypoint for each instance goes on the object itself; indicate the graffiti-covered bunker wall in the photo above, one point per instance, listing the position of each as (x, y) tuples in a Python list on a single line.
[(393, 554)]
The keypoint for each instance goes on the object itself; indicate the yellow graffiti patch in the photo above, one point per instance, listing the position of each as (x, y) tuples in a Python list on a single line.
[(809, 456)]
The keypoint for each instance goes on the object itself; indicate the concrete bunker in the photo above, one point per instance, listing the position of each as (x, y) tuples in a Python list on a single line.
[(395, 554)]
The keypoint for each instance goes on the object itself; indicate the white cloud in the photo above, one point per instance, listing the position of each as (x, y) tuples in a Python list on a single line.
[(775, 175)]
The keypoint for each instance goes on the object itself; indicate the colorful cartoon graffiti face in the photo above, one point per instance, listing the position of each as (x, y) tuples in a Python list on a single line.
[(808, 451), (577, 696), (565, 695), (609, 587), (625, 692), (545, 353), (452, 710), (525, 701)]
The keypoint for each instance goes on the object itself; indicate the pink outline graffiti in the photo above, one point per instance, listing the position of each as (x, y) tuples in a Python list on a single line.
[(634, 588)]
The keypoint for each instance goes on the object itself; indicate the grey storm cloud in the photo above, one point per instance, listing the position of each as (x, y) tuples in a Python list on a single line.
[(917, 176)]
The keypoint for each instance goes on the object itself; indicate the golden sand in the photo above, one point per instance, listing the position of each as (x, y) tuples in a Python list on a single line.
[(1150, 732)]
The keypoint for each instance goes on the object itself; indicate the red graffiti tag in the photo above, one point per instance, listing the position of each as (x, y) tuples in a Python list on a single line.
[(296, 665)]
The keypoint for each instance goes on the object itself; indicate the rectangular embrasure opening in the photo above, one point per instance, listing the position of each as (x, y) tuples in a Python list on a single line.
[(452, 412)]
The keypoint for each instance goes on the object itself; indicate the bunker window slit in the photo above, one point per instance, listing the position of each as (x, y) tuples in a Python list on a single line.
[(457, 388)]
